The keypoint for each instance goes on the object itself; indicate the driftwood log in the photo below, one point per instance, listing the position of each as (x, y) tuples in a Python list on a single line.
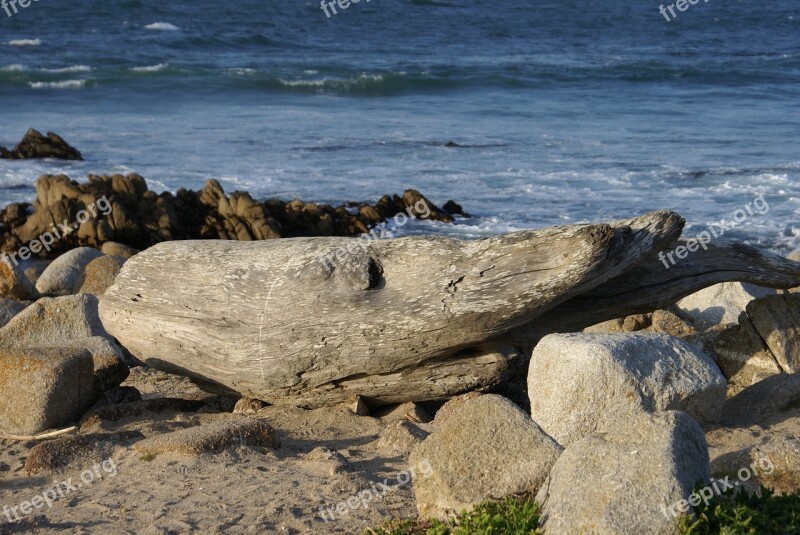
[(418, 318)]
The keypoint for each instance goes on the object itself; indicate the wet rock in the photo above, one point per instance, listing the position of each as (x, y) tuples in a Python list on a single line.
[(211, 438), (36, 145), (124, 211), (419, 206), (453, 208)]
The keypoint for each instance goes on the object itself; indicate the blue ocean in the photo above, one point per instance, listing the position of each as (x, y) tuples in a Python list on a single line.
[(562, 111)]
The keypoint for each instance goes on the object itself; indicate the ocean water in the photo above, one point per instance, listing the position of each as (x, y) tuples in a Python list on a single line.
[(566, 111)]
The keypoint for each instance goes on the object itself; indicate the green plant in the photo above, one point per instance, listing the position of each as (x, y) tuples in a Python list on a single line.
[(509, 517), (741, 513)]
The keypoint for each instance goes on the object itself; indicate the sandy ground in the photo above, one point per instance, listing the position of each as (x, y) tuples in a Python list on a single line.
[(261, 490), (243, 490)]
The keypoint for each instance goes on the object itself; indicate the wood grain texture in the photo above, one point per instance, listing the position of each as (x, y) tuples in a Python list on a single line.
[(393, 320), (652, 286)]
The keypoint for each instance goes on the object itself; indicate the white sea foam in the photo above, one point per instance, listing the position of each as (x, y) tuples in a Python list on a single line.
[(65, 84), (14, 68), (25, 42), (302, 83), (151, 68), (74, 68), (164, 26)]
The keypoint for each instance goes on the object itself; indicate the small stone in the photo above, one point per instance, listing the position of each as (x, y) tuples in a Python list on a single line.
[(119, 250), (336, 462), (248, 406), (411, 411)]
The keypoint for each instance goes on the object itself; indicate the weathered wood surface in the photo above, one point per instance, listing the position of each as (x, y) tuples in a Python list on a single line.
[(652, 286), (401, 319)]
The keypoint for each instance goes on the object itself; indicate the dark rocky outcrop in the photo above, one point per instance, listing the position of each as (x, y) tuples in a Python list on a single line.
[(37, 145), (122, 209)]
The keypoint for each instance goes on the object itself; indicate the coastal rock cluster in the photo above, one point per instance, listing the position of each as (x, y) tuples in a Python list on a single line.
[(36, 145), (132, 214)]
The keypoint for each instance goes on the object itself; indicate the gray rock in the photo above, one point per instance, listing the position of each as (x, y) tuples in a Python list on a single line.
[(42, 388), (628, 480), (213, 437), (69, 321), (8, 309), (51, 321), (13, 282), (486, 449), (112, 248), (580, 384), (720, 304), (65, 275)]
